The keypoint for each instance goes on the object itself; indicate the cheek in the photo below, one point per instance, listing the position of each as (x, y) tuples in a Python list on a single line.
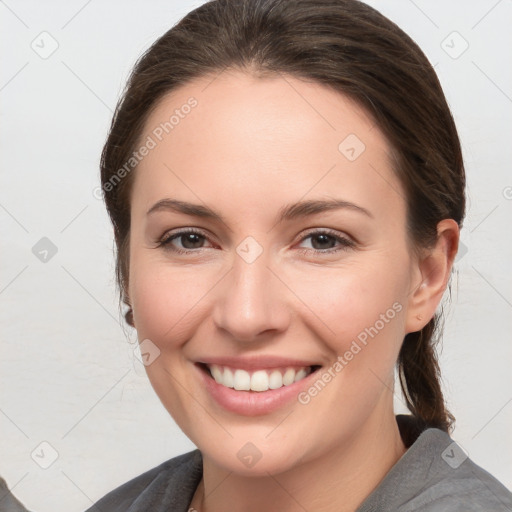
[(361, 312), (365, 311), (166, 301), (351, 301)]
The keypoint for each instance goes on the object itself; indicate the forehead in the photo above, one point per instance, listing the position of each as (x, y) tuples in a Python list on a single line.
[(233, 135)]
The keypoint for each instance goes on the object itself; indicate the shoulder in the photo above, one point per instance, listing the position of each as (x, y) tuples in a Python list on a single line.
[(8, 502), (169, 486), (436, 475), (453, 482)]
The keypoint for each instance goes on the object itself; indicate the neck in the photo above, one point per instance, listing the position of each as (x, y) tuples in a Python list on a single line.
[(343, 477)]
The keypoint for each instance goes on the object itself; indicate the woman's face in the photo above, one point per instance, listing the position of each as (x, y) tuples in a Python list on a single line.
[(276, 280)]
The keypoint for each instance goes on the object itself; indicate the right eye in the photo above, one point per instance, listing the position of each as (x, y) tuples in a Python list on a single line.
[(190, 239)]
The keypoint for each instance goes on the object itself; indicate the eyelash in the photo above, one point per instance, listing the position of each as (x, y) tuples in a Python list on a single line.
[(345, 243)]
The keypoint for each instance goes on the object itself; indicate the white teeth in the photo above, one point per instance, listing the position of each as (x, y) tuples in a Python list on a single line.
[(300, 374), (241, 380), (288, 376), (228, 378), (216, 374), (275, 380), (260, 380)]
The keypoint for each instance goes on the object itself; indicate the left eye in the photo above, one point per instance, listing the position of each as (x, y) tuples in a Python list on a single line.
[(324, 242)]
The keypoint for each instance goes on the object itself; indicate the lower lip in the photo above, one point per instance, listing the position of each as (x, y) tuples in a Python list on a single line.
[(254, 403)]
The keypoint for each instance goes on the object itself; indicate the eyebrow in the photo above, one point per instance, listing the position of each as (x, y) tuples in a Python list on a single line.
[(287, 213)]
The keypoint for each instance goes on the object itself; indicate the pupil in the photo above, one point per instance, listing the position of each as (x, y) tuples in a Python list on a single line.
[(324, 239), (193, 238)]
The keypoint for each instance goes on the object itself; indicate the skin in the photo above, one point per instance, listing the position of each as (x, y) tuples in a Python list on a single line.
[(251, 146)]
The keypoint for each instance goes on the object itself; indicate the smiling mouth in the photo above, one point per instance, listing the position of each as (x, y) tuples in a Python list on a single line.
[(258, 380)]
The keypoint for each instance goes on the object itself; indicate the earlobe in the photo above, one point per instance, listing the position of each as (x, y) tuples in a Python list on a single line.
[(128, 316), (433, 271)]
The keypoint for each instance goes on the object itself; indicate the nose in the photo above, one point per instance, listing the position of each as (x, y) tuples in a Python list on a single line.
[(251, 302)]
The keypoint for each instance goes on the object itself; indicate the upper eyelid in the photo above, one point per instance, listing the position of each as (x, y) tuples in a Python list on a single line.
[(182, 231)]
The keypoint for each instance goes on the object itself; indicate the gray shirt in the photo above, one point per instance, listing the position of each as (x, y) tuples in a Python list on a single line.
[(434, 475), (8, 503)]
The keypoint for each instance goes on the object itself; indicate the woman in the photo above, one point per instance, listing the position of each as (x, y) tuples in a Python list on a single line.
[(286, 187)]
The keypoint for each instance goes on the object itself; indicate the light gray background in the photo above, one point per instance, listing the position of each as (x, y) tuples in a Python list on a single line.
[(68, 373)]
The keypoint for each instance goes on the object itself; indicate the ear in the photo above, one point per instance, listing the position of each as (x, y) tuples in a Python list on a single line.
[(128, 316), (431, 275)]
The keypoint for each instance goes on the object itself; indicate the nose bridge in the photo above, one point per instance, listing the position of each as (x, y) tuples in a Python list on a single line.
[(250, 302)]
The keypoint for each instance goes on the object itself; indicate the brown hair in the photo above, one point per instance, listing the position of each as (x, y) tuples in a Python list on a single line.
[(347, 46)]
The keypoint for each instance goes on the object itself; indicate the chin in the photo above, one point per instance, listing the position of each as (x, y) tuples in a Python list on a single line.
[(251, 461)]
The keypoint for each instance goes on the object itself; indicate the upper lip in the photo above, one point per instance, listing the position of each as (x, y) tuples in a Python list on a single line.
[(257, 362)]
